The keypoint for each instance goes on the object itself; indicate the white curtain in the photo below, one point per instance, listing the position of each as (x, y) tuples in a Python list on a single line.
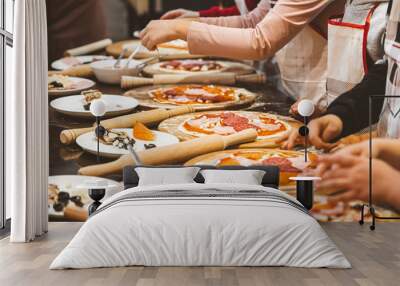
[(27, 123)]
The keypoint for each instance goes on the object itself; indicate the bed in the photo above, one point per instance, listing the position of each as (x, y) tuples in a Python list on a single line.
[(201, 224)]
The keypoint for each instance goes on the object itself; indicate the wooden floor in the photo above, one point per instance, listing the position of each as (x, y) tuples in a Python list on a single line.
[(375, 257)]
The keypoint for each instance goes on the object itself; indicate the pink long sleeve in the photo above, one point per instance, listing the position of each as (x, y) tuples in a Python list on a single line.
[(255, 36)]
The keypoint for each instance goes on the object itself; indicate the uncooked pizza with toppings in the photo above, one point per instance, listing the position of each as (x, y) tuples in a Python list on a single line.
[(203, 97), (198, 66), (190, 66), (194, 125), (290, 163), (229, 122), (195, 94), (326, 210)]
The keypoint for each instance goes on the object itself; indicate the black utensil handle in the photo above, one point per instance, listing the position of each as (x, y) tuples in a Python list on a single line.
[(305, 193)]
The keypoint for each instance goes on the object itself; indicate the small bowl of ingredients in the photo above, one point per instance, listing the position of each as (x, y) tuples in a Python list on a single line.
[(108, 71)]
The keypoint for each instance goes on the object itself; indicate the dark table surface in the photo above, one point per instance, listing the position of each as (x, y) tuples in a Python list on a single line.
[(68, 159)]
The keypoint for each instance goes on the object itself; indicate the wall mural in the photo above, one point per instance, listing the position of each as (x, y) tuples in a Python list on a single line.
[(157, 102)]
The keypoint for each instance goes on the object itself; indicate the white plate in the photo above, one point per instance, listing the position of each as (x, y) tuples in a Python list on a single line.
[(69, 183), (88, 143), (80, 84), (65, 63), (73, 105)]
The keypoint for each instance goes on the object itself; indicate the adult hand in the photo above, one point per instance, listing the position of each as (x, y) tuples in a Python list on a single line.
[(351, 175), (180, 13), (322, 131), (161, 31)]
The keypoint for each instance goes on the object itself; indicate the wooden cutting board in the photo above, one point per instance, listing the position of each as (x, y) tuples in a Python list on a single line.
[(142, 95)]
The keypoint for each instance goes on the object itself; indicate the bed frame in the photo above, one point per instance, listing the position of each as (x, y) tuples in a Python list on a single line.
[(271, 177)]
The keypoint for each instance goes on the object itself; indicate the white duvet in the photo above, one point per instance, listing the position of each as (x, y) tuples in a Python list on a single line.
[(200, 231)]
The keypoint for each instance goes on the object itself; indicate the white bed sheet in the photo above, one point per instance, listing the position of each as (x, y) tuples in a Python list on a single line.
[(191, 231)]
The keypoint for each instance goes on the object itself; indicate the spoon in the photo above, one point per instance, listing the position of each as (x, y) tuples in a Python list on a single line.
[(132, 55), (135, 156), (121, 55), (145, 62)]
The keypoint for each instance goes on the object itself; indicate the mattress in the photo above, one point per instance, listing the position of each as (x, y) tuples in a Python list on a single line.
[(201, 225)]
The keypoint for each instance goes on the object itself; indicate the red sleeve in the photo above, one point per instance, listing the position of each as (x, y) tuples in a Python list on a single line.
[(252, 4), (229, 11), (219, 12)]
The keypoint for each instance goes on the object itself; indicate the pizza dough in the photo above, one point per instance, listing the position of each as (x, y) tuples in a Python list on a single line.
[(176, 49), (194, 125), (291, 163), (201, 97), (197, 66)]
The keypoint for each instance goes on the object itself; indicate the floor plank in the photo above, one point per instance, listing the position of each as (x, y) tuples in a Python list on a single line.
[(375, 257)]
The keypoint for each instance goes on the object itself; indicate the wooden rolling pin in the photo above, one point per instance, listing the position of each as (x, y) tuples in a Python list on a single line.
[(267, 143), (351, 139), (175, 153), (89, 48), (75, 214), (69, 136), (224, 78), (77, 71)]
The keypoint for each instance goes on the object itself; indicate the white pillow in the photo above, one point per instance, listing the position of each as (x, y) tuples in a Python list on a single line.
[(247, 177), (166, 176)]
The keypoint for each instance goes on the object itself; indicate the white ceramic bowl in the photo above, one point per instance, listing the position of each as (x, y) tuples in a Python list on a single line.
[(104, 71)]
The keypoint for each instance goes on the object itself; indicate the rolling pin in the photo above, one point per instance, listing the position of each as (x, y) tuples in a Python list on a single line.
[(75, 214), (76, 71), (224, 78), (88, 49), (69, 136), (351, 139), (267, 143), (173, 154)]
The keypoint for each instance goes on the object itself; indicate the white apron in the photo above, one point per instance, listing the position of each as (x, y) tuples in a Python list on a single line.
[(347, 55), (303, 65), (389, 123)]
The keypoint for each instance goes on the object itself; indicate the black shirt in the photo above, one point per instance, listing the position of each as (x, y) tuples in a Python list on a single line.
[(352, 107)]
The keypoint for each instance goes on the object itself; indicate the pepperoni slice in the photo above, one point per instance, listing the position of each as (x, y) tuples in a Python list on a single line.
[(171, 92), (242, 126), (239, 123), (284, 164), (191, 66), (173, 64)]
